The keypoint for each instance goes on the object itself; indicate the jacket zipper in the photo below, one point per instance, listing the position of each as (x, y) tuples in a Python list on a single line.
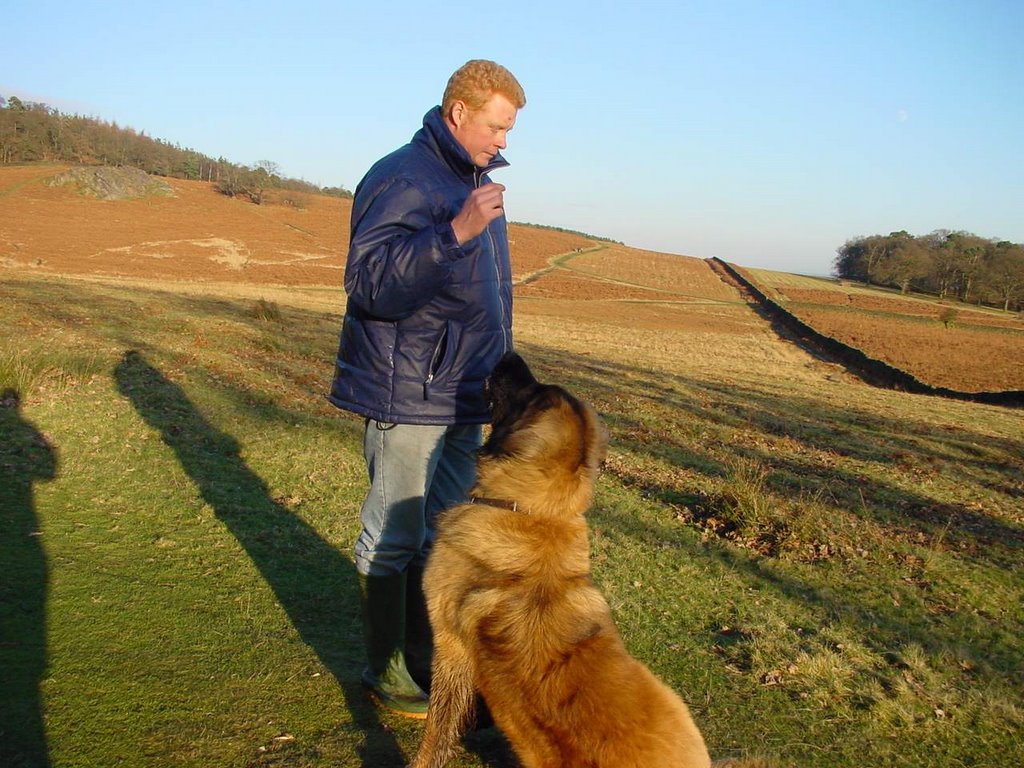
[(506, 342)]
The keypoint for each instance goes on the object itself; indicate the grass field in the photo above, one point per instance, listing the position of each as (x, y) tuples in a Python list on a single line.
[(828, 573)]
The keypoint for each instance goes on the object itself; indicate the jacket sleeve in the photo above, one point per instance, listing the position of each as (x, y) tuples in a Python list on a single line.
[(399, 256)]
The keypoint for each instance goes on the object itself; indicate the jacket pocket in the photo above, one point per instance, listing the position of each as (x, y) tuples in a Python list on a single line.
[(438, 358)]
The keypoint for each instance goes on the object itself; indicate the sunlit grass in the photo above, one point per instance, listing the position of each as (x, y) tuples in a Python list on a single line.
[(829, 574)]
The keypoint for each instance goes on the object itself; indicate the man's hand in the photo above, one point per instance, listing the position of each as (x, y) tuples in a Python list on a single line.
[(483, 206)]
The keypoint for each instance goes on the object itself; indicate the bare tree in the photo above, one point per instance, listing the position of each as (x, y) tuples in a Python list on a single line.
[(1006, 273), (904, 262)]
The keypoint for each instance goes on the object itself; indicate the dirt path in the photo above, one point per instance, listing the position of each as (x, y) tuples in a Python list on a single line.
[(555, 262)]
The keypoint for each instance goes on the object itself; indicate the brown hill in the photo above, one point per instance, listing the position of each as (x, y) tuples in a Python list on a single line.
[(197, 234), (199, 237), (569, 286)]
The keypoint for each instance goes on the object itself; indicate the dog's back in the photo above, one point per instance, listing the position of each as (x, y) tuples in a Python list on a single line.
[(547, 656)]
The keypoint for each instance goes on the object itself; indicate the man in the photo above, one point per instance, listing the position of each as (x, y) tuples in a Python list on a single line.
[(429, 314)]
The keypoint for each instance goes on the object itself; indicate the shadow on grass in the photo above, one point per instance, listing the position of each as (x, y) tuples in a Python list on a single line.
[(314, 583), (25, 458), (828, 433), (675, 404)]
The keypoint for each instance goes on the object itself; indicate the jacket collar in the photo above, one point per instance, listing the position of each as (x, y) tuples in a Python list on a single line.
[(436, 134)]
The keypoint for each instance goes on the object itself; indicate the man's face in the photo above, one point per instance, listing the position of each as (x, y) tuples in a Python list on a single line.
[(483, 133)]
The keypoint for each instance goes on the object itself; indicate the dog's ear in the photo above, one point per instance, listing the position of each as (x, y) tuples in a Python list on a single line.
[(513, 372), (509, 385)]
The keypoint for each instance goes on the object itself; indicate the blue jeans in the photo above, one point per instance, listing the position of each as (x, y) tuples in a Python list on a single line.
[(416, 471)]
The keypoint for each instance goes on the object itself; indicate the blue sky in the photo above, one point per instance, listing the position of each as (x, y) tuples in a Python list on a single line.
[(763, 133)]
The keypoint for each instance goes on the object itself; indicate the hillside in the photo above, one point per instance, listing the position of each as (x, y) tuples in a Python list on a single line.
[(191, 234), (197, 234)]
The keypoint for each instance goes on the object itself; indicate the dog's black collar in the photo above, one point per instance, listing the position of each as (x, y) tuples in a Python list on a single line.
[(503, 503)]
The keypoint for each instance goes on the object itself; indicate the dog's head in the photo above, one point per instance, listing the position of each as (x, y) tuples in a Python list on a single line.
[(545, 446)]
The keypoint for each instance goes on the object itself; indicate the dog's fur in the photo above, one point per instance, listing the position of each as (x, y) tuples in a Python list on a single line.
[(514, 612)]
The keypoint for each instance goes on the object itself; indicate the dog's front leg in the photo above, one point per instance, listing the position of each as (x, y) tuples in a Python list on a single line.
[(452, 699)]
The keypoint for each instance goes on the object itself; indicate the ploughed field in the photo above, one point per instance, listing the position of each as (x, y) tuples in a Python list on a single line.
[(197, 236), (942, 343)]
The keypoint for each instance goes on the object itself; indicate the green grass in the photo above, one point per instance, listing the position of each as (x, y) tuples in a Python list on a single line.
[(829, 574)]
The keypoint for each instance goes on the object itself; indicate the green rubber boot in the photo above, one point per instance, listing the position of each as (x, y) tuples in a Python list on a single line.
[(419, 640), (384, 622)]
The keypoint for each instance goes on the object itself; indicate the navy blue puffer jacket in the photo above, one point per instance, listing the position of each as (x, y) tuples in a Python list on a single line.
[(426, 319)]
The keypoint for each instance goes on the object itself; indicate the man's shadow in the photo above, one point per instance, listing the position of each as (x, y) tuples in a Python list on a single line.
[(313, 582), (25, 458)]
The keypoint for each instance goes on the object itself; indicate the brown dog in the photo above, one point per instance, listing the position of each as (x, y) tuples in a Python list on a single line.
[(515, 615)]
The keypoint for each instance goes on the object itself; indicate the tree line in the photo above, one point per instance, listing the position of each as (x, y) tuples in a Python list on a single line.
[(35, 132), (947, 264)]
